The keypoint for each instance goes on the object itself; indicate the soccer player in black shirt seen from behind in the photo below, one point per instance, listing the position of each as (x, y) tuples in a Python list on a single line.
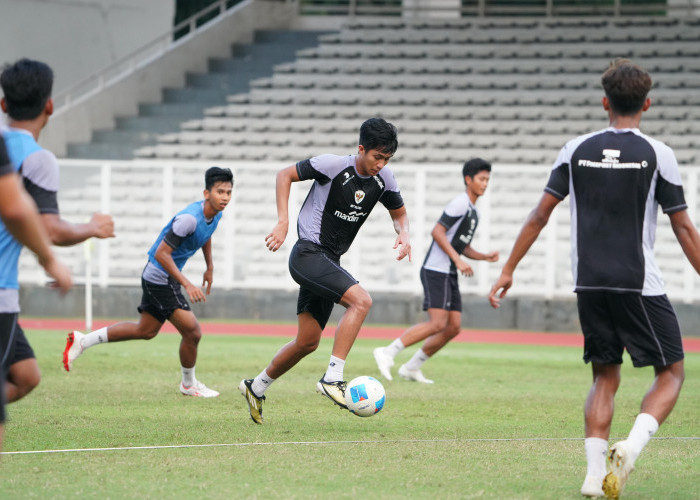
[(617, 177), (344, 191)]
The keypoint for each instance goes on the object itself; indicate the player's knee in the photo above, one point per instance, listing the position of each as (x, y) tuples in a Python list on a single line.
[(26, 383), (31, 383), (307, 347), (677, 373), (149, 333), (451, 331), (364, 303), (437, 326)]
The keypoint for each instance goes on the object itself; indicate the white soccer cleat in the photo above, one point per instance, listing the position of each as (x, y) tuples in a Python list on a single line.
[(620, 463), (414, 375), (592, 487), (73, 349), (198, 390), (384, 362)]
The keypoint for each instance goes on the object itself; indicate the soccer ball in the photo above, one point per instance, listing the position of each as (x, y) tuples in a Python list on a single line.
[(365, 396)]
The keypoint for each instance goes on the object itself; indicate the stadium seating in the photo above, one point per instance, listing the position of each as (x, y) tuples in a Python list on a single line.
[(510, 90)]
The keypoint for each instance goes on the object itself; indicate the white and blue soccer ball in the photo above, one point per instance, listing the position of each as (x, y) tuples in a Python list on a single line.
[(365, 396)]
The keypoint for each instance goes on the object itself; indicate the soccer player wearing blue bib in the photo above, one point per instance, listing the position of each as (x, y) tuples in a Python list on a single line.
[(452, 237), (187, 232), (27, 86), (344, 192), (617, 178), (21, 225)]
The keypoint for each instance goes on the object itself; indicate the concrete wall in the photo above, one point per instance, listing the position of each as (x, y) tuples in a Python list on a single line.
[(145, 84), (516, 313), (269, 305), (79, 38)]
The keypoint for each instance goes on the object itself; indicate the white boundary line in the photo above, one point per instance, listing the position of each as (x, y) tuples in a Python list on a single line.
[(307, 443)]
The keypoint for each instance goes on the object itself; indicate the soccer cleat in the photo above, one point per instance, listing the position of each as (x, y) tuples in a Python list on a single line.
[(414, 375), (620, 463), (335, 391), (254, 402), (198, 390), (73, 349), (384, 362), (592, 487)]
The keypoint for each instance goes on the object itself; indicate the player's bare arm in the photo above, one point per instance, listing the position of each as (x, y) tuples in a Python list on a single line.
[(439, 234), (403, 240), (285, 177), (688, 237), (64, 233), (164, 256), (208, 278), (474, 254), (535, 222)]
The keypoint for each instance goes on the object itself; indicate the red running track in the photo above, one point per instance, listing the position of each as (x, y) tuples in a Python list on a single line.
[(691, 344)]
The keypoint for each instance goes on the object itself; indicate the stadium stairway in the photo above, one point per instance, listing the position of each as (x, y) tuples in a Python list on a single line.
[(225, 77)]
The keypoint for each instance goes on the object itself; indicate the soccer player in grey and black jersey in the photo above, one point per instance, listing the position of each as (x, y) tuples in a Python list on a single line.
[(617, 178), (344, 192)]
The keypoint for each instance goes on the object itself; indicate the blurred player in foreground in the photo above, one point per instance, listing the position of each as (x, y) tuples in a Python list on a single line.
[(452, 237), (617, 178), (344, 192), (27, 86), (20, 225), (187, 232)]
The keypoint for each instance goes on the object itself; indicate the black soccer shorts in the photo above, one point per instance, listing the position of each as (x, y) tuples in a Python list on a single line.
[(321, 280), (161, 301), (644, 325), (441, 291)]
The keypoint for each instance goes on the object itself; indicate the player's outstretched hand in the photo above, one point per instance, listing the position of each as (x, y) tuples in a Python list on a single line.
[(491, 257), (404, 246), (208, 279), (103, 224), (504, 282), (60, 274), (274, 240), (196, 294)]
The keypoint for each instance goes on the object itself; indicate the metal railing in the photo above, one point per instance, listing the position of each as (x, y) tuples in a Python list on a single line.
[(143, 195), (485, 8)]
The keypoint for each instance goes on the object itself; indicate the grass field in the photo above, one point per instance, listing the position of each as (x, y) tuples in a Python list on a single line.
[(501, 421)]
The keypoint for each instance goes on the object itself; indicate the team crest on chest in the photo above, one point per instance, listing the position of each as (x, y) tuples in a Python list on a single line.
[(359, 196)]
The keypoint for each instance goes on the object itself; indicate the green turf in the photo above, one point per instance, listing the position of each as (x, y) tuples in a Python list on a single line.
[(501, 421)]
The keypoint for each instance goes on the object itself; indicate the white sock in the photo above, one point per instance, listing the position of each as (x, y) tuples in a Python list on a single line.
[(394, 348), (188, 377), (596, 452), (417, 360), (94, 338), (334, 373), (645, 426), (261, 383)]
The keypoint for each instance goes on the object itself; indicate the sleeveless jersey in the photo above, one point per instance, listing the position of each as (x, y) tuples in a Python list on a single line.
[(190, 244)]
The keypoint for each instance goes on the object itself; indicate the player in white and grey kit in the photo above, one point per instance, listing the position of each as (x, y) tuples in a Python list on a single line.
[(452, 237), (344, 192), (616, 179)]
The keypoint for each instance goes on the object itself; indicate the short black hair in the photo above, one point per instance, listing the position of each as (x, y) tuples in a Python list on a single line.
[(626, 86), (217, 174), (379, 134), (474, 166), (27, 87)]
